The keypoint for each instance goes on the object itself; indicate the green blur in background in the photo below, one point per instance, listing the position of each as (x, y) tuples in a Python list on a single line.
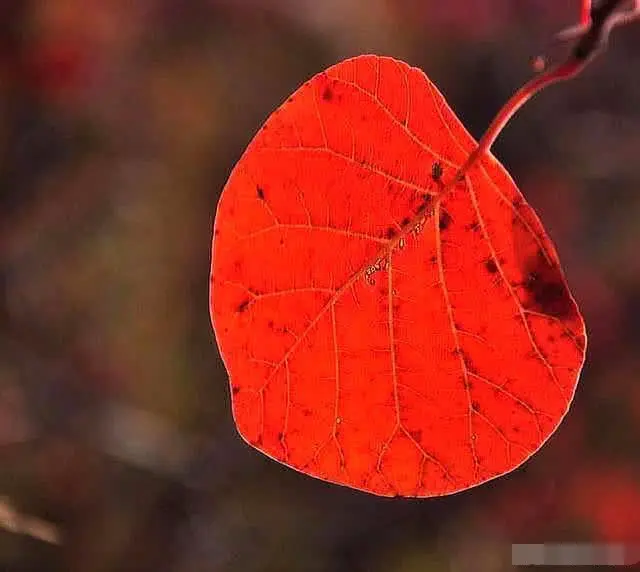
[(120, 122)]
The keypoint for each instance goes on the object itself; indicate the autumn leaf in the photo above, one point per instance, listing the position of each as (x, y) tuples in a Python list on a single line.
[(383, 328)]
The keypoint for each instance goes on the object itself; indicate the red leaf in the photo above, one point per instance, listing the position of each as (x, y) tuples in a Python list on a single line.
[(378, 333)]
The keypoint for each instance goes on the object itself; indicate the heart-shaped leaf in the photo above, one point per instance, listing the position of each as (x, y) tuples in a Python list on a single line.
[(380, 332)]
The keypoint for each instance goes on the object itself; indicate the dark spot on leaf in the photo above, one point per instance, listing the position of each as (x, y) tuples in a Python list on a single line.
[(280, 436), (474, 226), (491, 266), (235, 389), (270, 324), (405, 221), (468, 363), (306, 412), (433, 259), (281, 241), (546, 290), (260, 193), (243, 305), (475, 406), (327, 94), (436, 171), (390, 232), (424, 204), (445, 220)]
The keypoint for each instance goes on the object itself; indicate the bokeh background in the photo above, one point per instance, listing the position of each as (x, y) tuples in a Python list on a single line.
[(119, 124)]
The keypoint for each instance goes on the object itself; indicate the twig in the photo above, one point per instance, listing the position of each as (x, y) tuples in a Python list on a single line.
[(596, 22)]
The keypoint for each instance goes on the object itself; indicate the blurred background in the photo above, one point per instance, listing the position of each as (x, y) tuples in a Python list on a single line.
[(119, 124)]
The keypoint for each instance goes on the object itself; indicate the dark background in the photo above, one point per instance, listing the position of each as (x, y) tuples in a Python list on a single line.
[(119, 124)]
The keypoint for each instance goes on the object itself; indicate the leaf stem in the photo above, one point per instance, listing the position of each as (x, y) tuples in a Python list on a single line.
[(585, 13), (593, 31), (555, 74)]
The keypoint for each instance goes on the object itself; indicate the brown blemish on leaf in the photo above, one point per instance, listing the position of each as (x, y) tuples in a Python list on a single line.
[(546, 290), (390, 232), (436, 171), (491, 266), (424, 204), (445, 220)]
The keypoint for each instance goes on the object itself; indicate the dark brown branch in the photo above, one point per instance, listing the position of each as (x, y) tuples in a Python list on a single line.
[(595, 38)]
